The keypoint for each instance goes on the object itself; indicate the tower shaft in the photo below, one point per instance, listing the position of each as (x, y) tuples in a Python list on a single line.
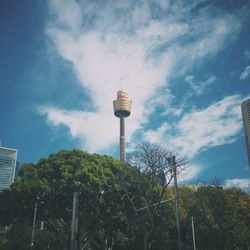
[(122, 139)]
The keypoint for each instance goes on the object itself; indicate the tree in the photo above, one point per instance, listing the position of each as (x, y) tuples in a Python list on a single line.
[(156, 164), (219, 218), (106, 218), (111, 196), (51, 182)]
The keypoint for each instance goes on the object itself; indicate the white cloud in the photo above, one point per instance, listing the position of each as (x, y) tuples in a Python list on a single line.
[(218, 124), (246, 73), (106, 41), (70, 19), (190, 173), (240, 183), (155, 136), (200, 129), (198, 86), (91, 128), (247, 54)]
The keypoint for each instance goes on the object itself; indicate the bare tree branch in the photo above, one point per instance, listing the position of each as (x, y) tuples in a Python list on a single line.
[(154, 162)]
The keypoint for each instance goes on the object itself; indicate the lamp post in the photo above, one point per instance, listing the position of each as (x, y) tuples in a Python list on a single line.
[(193, 233), (74, 223), (173, 164), (33, 226)]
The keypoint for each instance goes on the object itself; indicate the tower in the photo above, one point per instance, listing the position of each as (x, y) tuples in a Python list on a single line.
[(245, 108), (122, 109)]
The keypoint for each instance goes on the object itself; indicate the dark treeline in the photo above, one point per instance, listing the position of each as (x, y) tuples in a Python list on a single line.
[(110, 195)]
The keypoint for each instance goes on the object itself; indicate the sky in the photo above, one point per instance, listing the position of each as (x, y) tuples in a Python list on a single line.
[(184, 64)]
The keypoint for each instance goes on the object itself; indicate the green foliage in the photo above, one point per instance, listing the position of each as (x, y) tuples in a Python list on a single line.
[(221, 217), (106, 217), (109, 195)]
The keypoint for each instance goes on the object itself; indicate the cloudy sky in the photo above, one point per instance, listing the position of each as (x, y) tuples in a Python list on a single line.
[(184, 64)]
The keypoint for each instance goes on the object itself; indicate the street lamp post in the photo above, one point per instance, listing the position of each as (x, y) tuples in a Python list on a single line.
[(33, 226), (173, 163), (193, 233), (74, 223)]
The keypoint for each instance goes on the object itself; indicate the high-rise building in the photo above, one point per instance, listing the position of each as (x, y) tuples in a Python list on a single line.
[(122, 109), (17, 169), (245, 108), (8, 158)]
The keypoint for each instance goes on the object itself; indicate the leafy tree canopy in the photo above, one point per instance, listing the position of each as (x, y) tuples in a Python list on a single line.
[(110, 195)]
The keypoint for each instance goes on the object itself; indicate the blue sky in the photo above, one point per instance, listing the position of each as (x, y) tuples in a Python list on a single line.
[(185, 65)]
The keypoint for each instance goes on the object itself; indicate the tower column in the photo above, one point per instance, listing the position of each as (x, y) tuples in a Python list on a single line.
[(122, 139)]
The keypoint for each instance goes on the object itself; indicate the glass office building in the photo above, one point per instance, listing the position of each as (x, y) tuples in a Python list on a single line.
[(245, 108), (8, 158)]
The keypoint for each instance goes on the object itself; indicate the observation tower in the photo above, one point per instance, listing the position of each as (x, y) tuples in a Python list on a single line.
[(122, 109)]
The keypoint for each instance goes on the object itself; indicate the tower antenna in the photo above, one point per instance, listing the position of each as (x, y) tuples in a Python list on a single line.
[(122, 78)]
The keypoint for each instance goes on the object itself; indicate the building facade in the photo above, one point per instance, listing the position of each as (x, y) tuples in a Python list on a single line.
[(245, 108), (8, 159)]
